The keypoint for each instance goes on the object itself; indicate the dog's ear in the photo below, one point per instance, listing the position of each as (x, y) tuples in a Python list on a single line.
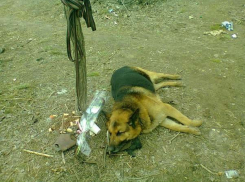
[(134, 118)]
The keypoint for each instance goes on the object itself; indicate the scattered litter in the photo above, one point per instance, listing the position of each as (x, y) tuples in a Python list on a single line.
[(115, 23), (234, 36), (52, 116), (112, 12), (69, 130), (14, 79), (191, 17), (64, 142), (65, 114), (107, 17), (231, 174), (63, 91), (87, 122), (72, 124), (228, 25), (214, 32)]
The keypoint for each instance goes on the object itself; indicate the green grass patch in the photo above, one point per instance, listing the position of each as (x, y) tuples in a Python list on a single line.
[(216, 27), (216, 60), (23, 86), (93, 74)]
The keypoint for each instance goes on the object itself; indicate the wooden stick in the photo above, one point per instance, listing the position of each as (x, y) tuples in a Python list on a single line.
[(207, 169), (164, 149), (170, 141), (104, 157), (63, 158), (37, 153)]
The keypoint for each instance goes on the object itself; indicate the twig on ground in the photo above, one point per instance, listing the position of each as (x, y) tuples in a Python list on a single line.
[(52, 93), (118, 154), (170, 141), (62, 125), (143, 177), (104, 157), (74, 171), (90, 162), (37, 153), (23, 108), (122, 1), (208, 170), (164, 149), (67, 107), (63, 157)]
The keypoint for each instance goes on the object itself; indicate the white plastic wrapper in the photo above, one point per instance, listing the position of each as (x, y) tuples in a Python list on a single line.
[(87, 121)]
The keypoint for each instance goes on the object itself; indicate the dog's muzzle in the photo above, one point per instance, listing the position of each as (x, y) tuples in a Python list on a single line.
[(114, 149)]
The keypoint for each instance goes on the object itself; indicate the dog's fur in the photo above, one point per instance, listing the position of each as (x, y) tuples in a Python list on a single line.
[(139, 109)]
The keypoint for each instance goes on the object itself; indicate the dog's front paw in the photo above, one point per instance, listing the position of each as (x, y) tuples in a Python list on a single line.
[(195, 131), (196, 123)]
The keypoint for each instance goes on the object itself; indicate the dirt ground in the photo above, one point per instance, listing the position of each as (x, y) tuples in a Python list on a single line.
[(164, 36)]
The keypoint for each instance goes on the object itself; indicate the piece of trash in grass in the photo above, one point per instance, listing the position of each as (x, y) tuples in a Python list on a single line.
[(191, 17), (214, 32), (107, 17), (52, 116), (63, 91), (234, 36), (64, 142), (228, 25), (65, 114), (69, 130), (87, 122), (231, 174)]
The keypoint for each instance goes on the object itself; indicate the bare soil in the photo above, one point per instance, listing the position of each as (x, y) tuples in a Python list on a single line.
[(164, 36)]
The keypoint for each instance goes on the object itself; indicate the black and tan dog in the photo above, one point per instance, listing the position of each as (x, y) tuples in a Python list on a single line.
[(139, 109)]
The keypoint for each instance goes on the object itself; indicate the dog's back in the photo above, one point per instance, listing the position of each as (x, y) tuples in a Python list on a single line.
[(125, 78)]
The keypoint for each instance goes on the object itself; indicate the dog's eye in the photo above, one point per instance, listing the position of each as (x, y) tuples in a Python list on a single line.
[(120, 133)]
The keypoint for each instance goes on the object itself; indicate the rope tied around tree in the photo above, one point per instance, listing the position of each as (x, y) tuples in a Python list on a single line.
[(74, 10)]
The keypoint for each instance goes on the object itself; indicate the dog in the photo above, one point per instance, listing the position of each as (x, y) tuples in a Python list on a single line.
[(139, 109)]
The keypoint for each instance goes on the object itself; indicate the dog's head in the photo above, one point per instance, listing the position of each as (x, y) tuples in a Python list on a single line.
[(123, 126)]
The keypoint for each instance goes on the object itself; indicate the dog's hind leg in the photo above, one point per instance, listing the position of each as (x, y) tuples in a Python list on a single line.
[(174, 113), (158, 77), (168, 123), (167, 84)]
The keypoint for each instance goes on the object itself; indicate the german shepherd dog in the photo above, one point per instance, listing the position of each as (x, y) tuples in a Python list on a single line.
[(139, 109)]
